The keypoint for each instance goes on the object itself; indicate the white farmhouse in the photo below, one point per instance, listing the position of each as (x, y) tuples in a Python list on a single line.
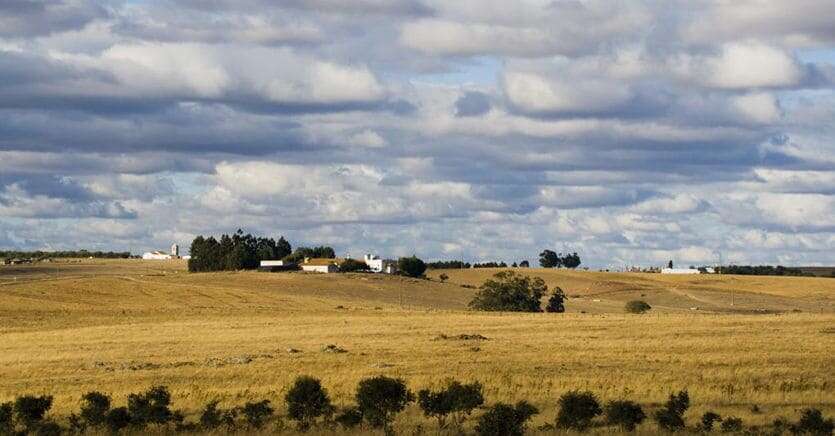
[(378, 265), (156, 255), (320, 265), (679, 271)]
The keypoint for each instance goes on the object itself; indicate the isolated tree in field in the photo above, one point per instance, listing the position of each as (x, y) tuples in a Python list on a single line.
[(624, 414), (549, 259), (637, 306), (670, 264), (307, 401), (411, 266), (511, 292), (456, 401), (381, 398), (524, 264), (577, 410), (505, 420), (556, 303)]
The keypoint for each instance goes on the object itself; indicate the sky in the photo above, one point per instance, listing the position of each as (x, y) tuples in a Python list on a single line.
[(631, 132)]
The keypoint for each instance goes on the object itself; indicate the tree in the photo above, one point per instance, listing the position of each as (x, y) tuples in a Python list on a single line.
[(577, 410), (94, 408), (381, 398), (812, 422), (505, 420), (151, 407), (282, 248), (524, 264), (556, 304), (571, 260), (306, 401), (670, 264), (411, 266), (511, 292), (549, 259), (457, 400), (624, 414), (30, 410), (671, 416), (353, 265)]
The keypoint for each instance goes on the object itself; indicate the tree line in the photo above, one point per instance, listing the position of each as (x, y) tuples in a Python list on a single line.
[(245, 251), (377, 403), (11, 254), (551, 259)]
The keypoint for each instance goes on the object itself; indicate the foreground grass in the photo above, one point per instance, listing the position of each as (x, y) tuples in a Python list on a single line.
[(227, 336)]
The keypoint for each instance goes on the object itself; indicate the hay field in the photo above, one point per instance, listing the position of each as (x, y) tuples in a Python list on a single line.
[(121, 326)]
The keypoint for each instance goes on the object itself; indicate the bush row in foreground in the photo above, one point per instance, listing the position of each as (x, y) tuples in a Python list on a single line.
[(378, 401)]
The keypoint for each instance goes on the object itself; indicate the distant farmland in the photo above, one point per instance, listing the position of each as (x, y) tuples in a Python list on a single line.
[(123, 325)]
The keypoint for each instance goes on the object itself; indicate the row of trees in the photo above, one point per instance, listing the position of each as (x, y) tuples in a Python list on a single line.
[(551, 259), (457, 264), (235, 252), (759, 270), (11, 254), (378, 401)]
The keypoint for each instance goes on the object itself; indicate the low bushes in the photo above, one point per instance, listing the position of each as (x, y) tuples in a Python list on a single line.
[(380, 399), (637, 306), (307, 401), (378, 402), (505, 420), (625, 414), (456, 401), (577, 410)]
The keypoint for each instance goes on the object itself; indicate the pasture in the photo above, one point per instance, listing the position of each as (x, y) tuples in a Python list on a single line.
[(122, 325)]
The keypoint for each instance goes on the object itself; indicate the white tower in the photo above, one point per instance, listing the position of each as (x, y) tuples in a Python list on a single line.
[(175, 250)]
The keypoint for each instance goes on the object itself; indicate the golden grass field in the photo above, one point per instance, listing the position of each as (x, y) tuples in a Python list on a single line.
[(122, 326)]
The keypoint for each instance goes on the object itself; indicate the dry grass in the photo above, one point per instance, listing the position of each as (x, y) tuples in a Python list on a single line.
[(121, 326)]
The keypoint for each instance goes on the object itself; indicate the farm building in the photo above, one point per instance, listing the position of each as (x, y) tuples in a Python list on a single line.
[(276, 265), (320, 265), (378, 265), (679, 271), (161, 255)]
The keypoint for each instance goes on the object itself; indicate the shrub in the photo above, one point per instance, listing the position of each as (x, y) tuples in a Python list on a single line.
[(117, 419), (812, 422), (670, 417), (353, 265), (577, 409), (6, 418), (94, 408), (381, 398), (731, 424), (457, 400), (411, 266), (48, 428), (510, 291), (637, 306), (708, 420), (212, 417), (625, 414), (150, 407), (307, 400), (556, 304), (256, 414), (443, 277), (30, 410), (505, 420), (349, 417)]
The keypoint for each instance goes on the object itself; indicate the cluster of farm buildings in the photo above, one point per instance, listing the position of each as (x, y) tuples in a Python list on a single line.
[(324, 265)]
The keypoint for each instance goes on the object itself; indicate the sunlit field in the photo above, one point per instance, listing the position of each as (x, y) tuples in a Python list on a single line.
[(122, 326)]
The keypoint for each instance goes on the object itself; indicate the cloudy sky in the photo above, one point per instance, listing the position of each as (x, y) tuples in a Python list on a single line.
[(632, 132)]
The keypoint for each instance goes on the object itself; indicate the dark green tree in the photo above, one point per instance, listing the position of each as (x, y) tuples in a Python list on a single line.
[(510, 292), (411, 266), (380, 399), (307, 401), (549, 259)]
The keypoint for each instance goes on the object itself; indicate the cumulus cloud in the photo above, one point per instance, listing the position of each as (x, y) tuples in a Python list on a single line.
[(632, 132)]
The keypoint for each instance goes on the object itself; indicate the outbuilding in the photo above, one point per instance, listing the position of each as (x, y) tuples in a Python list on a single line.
[(320, 265)]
